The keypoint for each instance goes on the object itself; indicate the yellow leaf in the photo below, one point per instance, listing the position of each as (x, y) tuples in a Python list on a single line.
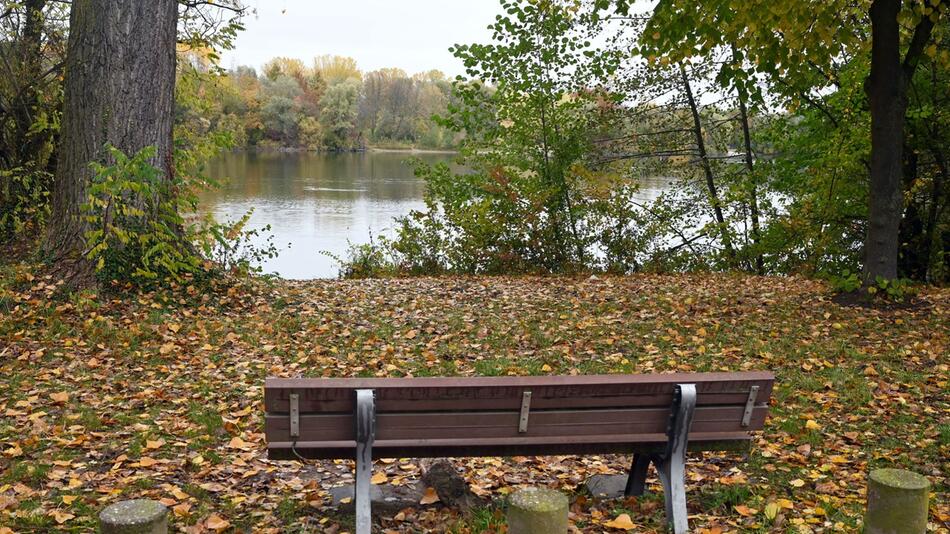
[(13, 451), (237, 443), (797, 483), (60, 397), (61, 517), (174, 327), (811, 424), (785, 503), (217, 523), (411, 334), (182, 510), (198, 460), (166, 348), (546, 368), (69, 499), (154, 444), (146, 461), (771, 510), (622, 522), (429, 497), (379, 478)]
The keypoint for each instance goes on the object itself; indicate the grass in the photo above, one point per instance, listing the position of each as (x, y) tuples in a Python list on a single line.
[(857, 389)]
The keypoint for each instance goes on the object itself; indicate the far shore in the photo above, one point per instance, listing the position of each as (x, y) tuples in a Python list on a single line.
[(381, 150)]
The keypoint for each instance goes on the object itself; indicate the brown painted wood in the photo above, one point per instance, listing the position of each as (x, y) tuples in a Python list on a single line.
[(428, 426), (501, 393), (419, 417)]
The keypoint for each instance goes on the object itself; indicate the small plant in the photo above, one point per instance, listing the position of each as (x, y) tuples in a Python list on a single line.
[(847, 282), (366, 260), (135, 229), (895, 290)]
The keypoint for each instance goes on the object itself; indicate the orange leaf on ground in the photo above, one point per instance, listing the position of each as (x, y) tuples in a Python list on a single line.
[(429, 497), (622, 522)]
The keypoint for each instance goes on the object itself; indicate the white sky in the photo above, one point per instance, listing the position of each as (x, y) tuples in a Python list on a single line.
[(413, 35)]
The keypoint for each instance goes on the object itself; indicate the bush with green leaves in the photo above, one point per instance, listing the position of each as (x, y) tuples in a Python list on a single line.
[(137, 230)]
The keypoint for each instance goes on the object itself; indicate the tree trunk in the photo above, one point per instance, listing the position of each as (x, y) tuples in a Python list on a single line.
[(886, 88), (32, 71), (119, 89), (707, 170), (753, 190)]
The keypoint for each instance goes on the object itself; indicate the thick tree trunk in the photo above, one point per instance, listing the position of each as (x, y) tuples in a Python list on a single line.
[(119, 89), (707, 169), (886, 88), (887, 92)]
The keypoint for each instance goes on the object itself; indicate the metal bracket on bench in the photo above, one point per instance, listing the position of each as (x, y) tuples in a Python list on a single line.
[(294, 415), (671, 464), (750, 405), (525, 410), (365, 435)]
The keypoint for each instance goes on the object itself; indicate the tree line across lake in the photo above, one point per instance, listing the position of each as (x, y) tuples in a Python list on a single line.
[(329, 104), (804, 137)]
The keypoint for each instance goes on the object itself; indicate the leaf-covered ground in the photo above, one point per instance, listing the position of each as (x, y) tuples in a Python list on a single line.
[(159, 395)]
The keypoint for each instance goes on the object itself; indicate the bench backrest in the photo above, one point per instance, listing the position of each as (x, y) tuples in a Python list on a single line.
[(488, 416)]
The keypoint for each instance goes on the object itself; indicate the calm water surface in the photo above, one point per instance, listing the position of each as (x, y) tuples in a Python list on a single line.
[(318, 203)]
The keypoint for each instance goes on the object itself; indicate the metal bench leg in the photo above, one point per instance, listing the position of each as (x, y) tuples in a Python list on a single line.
[(672, 465), (365, 434), (636, 481)]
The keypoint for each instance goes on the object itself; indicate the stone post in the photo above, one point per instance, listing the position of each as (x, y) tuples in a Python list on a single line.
[(139, 516), (537, 511), (897, 502)]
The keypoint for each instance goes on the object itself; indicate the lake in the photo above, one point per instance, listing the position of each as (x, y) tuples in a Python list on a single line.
[(319, 203)]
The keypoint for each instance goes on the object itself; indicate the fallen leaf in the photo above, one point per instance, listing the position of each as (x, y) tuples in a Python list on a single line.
[(745, 510), (429, 497), (379, 478), (60, 398), (217, 523), (61, 517), (622, 522)]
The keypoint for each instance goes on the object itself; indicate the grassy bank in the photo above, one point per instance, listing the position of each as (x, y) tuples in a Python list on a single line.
[(159, 395)]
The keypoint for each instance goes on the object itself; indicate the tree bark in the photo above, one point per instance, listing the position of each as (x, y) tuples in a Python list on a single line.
[(886, 88), (707, 170), (119, 89), (753, 189)]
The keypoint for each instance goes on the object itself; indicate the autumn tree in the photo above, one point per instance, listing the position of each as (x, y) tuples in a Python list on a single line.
[(798, 46)]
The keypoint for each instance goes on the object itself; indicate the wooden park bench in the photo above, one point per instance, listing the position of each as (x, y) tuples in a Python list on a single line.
[(654, 417)]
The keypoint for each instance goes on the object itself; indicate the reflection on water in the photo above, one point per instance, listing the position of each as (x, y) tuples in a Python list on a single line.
[(315, 202), (323, 202)]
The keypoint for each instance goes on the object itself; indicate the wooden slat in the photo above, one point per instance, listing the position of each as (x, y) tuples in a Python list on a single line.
[(434, 426), (524, 446), (504, 393)]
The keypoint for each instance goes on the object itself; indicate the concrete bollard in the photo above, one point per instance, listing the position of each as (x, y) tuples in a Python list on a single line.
[(138, 516), (897, 502), (537, 511)]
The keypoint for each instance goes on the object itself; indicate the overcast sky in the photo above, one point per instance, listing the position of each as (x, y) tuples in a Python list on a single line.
[(413, 35)]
